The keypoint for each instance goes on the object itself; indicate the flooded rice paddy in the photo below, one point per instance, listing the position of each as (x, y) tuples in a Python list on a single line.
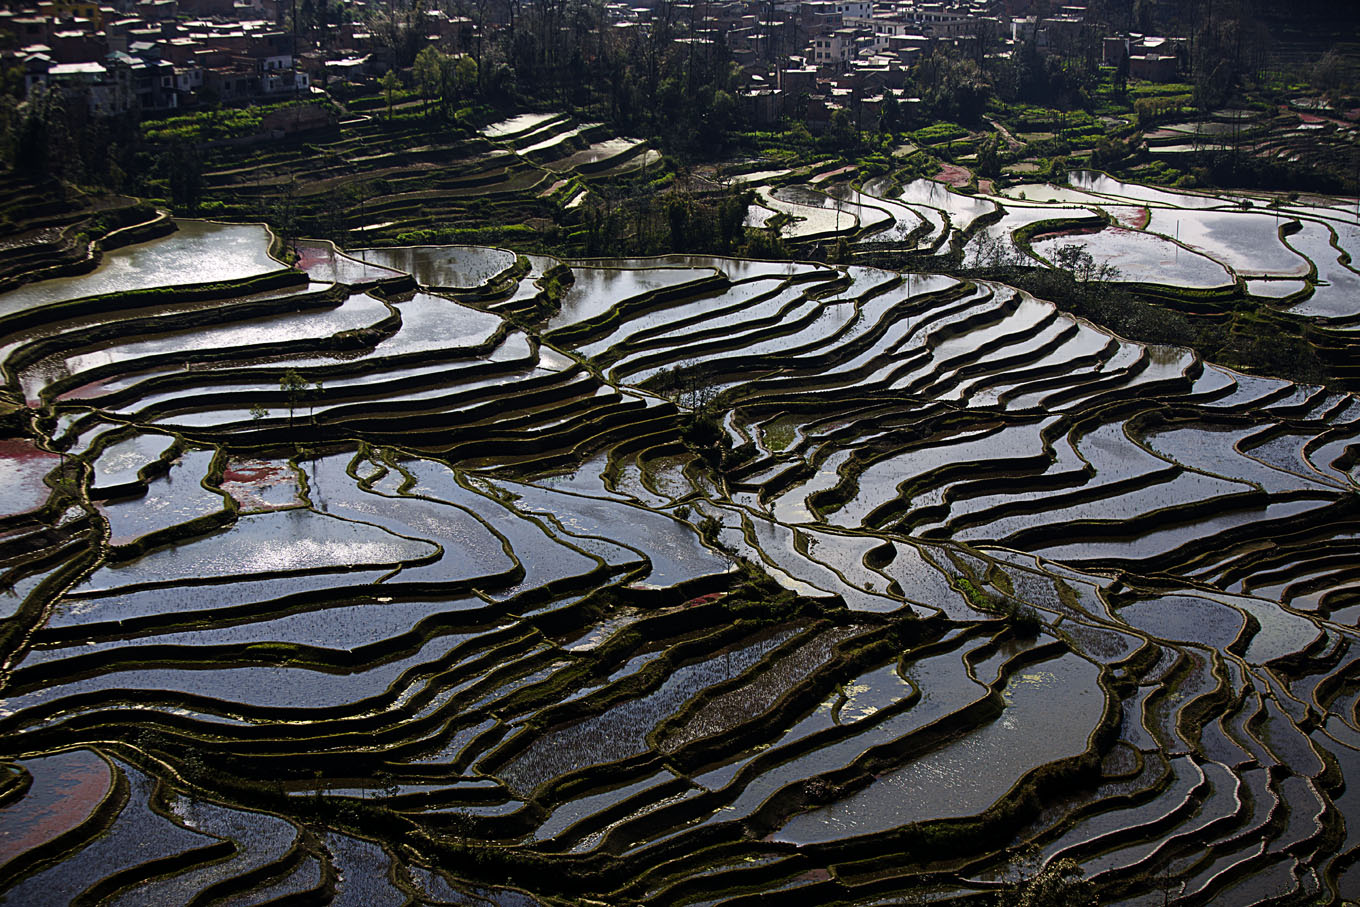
[(395, 600)]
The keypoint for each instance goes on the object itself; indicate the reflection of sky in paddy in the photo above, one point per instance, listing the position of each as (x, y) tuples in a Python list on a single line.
[(1247, 242), (1126, 454), (121, 462), (963, 210), (264, 686), (174, 498), (268, 543), (443, 266), (199, 252), (596, 290), (968, 775), (322, 261), (1142, 257), (673, 547), (354, 313), (430, 323)]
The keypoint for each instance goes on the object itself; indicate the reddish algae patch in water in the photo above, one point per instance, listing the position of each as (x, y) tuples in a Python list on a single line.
[(66, 789), (22, 467), (259, 485), (954, 175)]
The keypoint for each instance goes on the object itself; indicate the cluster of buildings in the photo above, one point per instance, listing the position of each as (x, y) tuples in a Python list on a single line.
[(855, 54), (811, 58), (147, 55), (808, 58), (160, 55), (1151, 58)]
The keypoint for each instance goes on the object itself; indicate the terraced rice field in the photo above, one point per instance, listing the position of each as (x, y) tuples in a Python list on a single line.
[(374, 181), (1216, 259), (396, 581)]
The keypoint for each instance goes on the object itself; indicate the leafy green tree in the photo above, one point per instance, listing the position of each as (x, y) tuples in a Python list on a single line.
[(678, 214), (457, 80), (39, 121), (183, 167), (953, 89), (306, 17), (989, 156), (890, 114), (1143, 16), (721, 115), (465, 75), (429, 74), (732, 219), (390, 83), (843, 133)]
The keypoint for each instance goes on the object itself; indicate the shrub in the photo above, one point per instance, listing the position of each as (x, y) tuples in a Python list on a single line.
[(1060, 884), (937, 133), (1022, 617), (709, 530)]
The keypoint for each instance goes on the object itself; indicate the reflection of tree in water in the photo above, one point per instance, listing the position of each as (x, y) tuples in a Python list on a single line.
[(1078, 262), (1164, 354)]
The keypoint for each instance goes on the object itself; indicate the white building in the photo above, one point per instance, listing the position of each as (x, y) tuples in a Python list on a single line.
[(835, 49), (855, 9)]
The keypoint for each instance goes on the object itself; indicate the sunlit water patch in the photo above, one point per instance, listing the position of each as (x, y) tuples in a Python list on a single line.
[(197, 252)]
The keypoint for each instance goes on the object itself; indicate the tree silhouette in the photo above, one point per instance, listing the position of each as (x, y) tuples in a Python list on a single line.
[(292, 384)]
